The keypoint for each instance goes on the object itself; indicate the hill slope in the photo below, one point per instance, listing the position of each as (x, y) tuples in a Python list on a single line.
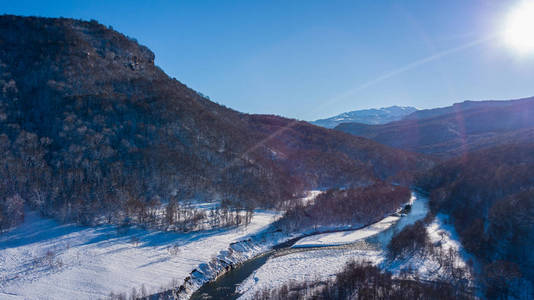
[(367, 116), (456, 129), (89, 124), (489, 195)]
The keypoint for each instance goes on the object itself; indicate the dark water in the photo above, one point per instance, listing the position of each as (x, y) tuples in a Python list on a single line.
[(225, 286)]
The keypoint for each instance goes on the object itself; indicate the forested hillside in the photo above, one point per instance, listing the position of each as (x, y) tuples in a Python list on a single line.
[(489, 195), (89, 125)]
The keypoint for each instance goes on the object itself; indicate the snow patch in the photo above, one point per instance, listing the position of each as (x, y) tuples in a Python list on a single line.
[(443, 238), (346, 237), (314, 265)]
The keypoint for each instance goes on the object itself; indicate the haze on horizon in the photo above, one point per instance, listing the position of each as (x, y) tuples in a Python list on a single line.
[(315, 59)]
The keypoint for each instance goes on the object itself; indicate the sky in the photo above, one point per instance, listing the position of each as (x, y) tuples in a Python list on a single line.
[(314, 59)]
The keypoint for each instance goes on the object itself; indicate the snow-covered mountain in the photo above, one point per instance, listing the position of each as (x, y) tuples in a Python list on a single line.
[(367, 116)]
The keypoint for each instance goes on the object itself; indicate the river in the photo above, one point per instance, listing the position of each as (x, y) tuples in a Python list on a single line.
[(225, 286)]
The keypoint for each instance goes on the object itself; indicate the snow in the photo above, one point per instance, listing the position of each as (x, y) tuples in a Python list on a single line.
[(443, 237), (319, 264), (443, 234), (304, 265), (310, 197), (91, 262), (346, 237)]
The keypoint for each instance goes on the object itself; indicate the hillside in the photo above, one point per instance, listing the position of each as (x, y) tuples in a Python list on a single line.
[(88, 124), (462, 106), (367, 116), (489, 196), (456, 129)]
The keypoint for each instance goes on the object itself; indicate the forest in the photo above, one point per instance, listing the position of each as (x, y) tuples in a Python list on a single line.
[(489, 195), (346, 207)]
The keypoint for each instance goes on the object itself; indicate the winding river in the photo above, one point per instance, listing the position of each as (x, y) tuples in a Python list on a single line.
[(225, 286)]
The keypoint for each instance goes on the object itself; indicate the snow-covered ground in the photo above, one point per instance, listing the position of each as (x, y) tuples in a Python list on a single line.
[(324, 263), (443, 237), (310, 265), (42, 259), (346, 237), (314, 265), (310, 197)]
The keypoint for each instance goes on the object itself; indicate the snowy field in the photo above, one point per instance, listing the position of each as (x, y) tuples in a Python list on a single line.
[(42, 259), (301, 266), (346, 237)]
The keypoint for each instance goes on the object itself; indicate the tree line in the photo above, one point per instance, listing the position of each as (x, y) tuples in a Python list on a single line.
[(350, 206)]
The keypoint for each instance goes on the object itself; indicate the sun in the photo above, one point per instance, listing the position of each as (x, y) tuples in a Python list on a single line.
[(519, 27)]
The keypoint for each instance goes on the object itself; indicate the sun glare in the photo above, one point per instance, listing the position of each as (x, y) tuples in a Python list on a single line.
[(519, 27)]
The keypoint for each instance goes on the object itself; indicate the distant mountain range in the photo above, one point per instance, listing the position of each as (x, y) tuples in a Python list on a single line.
[(368, 116), (456, 129)]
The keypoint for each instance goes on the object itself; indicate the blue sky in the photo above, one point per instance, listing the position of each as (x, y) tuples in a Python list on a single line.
[(313, 59)]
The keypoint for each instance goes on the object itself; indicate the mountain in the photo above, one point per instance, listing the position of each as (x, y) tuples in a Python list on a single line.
[(456, 129), (456, 107), (90, 126), (368, 116)]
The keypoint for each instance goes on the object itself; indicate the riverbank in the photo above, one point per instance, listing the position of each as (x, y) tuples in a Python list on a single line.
[(322, 263), (199, 282), (441, 262), (346, 237)]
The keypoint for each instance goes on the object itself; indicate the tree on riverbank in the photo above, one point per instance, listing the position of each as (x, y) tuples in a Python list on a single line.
[(352, 206)]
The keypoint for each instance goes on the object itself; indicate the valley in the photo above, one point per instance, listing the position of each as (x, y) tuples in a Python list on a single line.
[(119, 182), (293, 261)]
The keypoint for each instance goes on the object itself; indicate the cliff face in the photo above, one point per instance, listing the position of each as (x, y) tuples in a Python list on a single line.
[(88, 124)]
